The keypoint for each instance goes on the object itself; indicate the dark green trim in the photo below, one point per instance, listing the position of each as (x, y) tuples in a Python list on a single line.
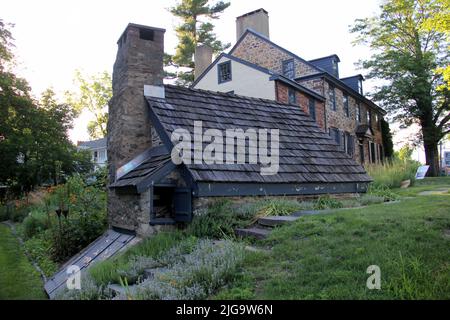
[(277, 189)]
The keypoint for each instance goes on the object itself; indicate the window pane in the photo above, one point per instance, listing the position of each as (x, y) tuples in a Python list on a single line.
[(312, 109), (289, 69), (292, 97), (224, 71), (346, 110), (332, 95)]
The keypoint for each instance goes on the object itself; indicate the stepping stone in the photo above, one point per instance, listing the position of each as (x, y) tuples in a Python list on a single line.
[(257, 233), (311, 212), (434, 192), (276, 220)]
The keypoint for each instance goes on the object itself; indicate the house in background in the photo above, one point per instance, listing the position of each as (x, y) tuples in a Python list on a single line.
[(98, 150), (258, 67)]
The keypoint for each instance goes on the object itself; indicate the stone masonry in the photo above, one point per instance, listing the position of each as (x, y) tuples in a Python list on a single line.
[(139, 62), (303, 102), (261, 52)]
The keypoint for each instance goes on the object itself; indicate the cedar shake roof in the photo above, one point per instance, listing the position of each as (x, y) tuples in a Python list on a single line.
[(307, 154)]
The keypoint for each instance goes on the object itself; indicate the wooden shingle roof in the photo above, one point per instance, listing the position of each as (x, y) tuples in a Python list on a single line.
[(307, 154)]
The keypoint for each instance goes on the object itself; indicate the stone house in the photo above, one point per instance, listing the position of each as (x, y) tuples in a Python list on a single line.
[(149, 190), (352, 119)]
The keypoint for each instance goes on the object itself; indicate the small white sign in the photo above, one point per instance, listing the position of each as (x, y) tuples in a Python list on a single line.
[(421, 172)]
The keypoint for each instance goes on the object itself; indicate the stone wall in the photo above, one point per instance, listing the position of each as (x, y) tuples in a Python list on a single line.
[(303, 101), (338, 119), (139, 62), (262, 53), (201, 204)]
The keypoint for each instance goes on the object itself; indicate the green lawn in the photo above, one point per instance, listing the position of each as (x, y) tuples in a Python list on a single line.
[(18, 278), (326, 256)]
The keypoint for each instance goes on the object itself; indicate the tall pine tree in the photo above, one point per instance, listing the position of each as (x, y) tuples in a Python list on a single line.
[(195, 29)]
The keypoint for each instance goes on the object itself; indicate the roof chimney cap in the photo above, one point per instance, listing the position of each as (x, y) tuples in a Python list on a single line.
[(253, 12), (257, 20), (142, 29)]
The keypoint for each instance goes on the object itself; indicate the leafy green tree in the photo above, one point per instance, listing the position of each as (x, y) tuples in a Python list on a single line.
[(410, 45), (93, 94), (196, 28), (35, 147)]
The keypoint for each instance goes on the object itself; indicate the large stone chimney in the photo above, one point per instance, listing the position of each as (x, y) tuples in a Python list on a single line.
[(139, 62), (202, 58), (257, 20)]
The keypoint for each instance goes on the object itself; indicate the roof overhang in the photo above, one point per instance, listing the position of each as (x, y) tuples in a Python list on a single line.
[(297, 86)]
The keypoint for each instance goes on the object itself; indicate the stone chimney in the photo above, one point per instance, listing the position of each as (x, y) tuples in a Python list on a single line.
[(202, 58), (139, 63), (257, 20)]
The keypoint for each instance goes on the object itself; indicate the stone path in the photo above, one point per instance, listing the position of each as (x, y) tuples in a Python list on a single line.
[(264, 225), (434, 192)]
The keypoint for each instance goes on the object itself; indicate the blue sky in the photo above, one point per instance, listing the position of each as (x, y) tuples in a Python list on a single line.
[(54, 38)]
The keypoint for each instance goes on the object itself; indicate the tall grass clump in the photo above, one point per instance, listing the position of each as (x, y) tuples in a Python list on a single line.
[(392, 173)]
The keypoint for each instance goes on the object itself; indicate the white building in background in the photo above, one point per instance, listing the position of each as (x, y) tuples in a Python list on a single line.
[(444, 152), (97, 148)]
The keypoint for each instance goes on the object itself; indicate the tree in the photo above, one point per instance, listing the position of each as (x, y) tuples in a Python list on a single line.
[(93, 94), (387, 139), (192, 32), (35, 147), (410, 44)]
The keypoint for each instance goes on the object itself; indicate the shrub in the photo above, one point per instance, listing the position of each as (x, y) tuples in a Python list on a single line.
[(129, 264), (218, 221), (382, 191), (279, 207), (392, 173), (326, 202), (369, 199), (89, 291), (39, 249), (19, 213), (209, 266), (36, 222), (4, 214)]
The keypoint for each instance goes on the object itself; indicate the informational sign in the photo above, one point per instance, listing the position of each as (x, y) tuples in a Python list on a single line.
[(421, 172)]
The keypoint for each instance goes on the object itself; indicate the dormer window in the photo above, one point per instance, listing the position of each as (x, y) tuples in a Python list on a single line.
[(224, 70), (289, 69), (360, 87)]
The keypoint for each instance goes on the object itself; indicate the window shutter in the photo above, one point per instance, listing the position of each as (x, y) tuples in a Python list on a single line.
[(182, 203)]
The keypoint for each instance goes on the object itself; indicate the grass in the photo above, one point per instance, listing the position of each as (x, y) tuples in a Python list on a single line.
[(109, 271), (391, 174), (18, 278), (326, 256)]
